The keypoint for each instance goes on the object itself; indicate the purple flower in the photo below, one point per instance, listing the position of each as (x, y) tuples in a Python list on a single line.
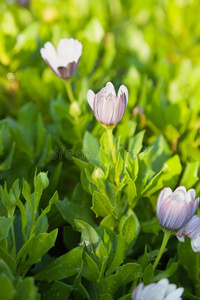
[(191, 230), (161, 290), (108, 108), (175, 209), (65, 60)]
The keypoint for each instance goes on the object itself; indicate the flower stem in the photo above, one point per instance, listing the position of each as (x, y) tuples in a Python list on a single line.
[(69, 91), (162, 248), (110, 139)]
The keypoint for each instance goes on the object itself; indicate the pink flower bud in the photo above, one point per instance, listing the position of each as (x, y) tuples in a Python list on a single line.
[(63, 62), (175, 209), (108, 108), (191, 230), (161, 290)]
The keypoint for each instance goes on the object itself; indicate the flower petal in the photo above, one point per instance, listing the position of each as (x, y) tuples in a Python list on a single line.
[(123, 90), (109, 110), (195, 243), (90, 98), (175, 295), (119, 109), (110, 90), (49, 54), (69, 50), (163, 195)]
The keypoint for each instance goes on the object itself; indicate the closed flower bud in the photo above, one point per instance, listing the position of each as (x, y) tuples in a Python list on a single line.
[(176, 209), (161, 290), (74, 109), (42, 179), (191, 230), (108, 108), (65, 60), (98, 174)]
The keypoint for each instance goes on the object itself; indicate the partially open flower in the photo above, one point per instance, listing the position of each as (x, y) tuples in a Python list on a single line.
[(108, 108), (191, 230), (161, 290), (175, 209), (63, 62)]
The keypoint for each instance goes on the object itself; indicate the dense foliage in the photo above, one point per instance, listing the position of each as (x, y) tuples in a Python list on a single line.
[(72, 224)]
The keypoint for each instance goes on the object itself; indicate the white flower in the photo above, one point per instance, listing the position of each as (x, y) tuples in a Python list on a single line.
[(161, 290), (176, 209), (108, 108), (65, 60)]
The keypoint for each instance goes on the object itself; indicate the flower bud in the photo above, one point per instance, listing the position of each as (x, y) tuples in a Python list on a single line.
[(191, 230), (175, 209), (63, 62), (74, 109), (43, 178), (161, 290), (98, 174), (108, 108)]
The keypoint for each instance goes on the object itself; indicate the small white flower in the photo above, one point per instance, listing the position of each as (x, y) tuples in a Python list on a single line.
[(108, 108), (161, 290), (65, 60), (176, 209)]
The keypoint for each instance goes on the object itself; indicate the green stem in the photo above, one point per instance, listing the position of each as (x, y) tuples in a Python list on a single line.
[(110, 139), (162, 248), (69, 91)]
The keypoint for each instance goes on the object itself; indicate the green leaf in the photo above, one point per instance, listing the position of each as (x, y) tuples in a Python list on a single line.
[(119, 255), (26, 289), (90, 269), (71, 211), (131, 191), (23, 215), (129, 229), (6, 164), (59, 290), (40, 135), (91, 148), (89, 235), (101, 252), (189, 260), (109, 222), (135, 144), (26, 192), (4, 269), (6, 288), (53, 200), (106, 297), (125, 274), (8, 259), (190, 175), (63, 267), (42, 243), (148, 274), (160, 153), (144, 260), (171, 171), (126, 297), (126, 130), (101, 205), (150, 226), (5, 225), (167, 273)]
